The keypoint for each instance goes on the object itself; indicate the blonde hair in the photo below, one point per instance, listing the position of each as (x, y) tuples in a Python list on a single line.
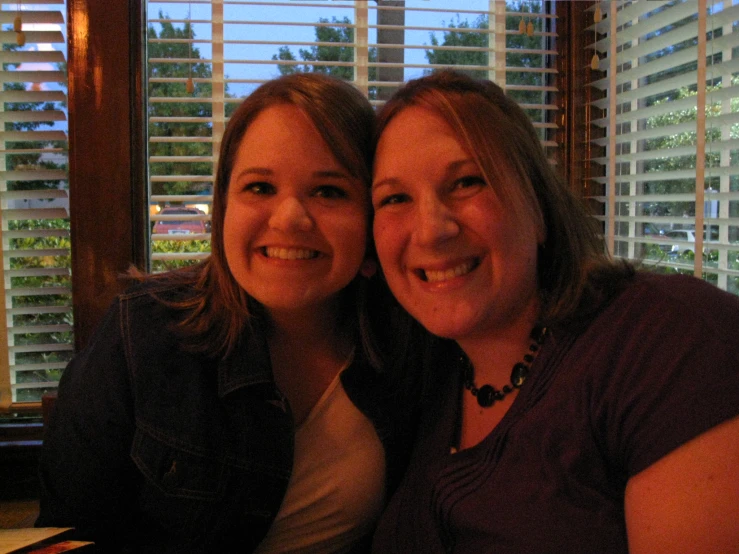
[(572, 263)]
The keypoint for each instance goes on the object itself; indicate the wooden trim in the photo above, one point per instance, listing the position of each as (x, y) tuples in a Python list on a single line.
[(107, 155), (573, 67), (139, 157), (104, 152)]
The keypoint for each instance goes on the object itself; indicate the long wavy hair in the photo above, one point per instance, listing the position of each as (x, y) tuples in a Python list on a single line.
[(216, 310), (574, 271)]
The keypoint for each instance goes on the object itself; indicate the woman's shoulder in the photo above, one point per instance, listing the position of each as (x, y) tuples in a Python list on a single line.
[(680, 296), (647, 356), (665, 313), (661, 314), (148, 308), (676, 283), (164, 289)]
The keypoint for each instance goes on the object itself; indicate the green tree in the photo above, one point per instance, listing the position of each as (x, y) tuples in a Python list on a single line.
[(51, 236), (335, 30), (58, 241), (462, 33), (27, 156), (458, 35), (177, 107), (170, 99), (664, 162)]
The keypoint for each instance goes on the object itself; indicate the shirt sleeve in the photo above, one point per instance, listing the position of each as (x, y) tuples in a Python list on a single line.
[(671, 369), (86, 470)]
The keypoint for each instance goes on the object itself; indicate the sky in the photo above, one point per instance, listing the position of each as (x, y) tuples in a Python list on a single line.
[(299, 11), (240, 24), (238, 14)]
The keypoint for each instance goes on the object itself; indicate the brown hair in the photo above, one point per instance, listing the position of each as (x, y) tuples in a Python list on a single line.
[(218, 310), (572, 262)]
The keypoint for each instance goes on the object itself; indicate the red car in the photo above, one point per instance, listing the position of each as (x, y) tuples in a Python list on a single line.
[(186, 226)]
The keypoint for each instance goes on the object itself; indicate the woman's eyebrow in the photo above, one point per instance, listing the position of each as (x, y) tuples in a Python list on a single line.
[(254, 171), (386, 181), (448, 170), (266, 172)]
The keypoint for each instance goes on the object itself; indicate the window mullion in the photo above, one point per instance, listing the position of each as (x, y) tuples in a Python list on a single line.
[(700, 129), (497, 41), (219, 78), (612, 102), (724, 161), (361, 46)]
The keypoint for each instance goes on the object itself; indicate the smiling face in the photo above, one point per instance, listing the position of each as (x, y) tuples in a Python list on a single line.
[(296, 221), (453, 255)]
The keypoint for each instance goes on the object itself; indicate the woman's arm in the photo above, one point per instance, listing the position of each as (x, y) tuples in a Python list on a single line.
[(86, 471), (688, 501)]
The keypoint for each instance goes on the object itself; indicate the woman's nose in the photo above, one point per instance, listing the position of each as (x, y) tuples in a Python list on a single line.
[(291, 215), (435, 223)]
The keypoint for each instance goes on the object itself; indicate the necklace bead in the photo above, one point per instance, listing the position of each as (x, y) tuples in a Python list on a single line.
[(487, 394)]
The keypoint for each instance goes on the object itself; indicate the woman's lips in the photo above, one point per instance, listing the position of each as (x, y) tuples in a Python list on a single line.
[(286, 253), (440, 275)]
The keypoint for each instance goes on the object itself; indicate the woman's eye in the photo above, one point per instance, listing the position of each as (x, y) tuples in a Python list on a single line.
[(392, 199), (330, 191), (259, 188), (468, 182)]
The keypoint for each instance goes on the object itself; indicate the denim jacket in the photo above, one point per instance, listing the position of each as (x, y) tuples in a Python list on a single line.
[(155, 449)]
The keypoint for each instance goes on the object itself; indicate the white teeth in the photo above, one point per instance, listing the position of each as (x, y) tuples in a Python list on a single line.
[(290, 253), (437, 276)]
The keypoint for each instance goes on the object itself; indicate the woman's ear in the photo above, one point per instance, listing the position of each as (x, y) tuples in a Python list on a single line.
[(368, 268)]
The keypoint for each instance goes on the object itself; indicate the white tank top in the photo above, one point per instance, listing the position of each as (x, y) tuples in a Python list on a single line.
[(337, 488)]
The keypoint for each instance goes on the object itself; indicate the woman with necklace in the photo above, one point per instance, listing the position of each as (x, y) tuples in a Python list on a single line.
[(571, 403)]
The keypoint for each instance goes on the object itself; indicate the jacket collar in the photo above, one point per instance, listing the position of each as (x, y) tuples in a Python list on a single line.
[(248, 364)]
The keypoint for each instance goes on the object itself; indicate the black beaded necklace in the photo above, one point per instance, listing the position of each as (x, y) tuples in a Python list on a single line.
[(487, 395)]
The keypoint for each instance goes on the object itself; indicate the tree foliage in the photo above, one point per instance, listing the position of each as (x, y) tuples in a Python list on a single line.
[(519, 47), (663, 161), (334, 30), (179, 106), (35, 155), (25, 159), (458, 35)]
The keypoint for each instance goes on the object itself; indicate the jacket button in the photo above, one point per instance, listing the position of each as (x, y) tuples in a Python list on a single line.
[(171, 478)]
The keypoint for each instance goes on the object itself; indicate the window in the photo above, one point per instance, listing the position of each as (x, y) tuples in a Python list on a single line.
[(203, 57), (666, 134), (227, 48), (36, 337)]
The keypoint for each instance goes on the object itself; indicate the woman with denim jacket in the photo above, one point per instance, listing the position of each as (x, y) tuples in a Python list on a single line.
[(241, 404)]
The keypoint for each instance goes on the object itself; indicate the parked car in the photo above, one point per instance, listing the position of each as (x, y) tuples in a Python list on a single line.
[(185, 226), (685, 236)]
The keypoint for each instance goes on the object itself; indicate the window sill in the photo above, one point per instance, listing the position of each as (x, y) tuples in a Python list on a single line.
[(20, 450)]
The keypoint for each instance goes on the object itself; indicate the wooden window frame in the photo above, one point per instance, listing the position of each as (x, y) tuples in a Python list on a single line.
[(106, 118), (106, 156)]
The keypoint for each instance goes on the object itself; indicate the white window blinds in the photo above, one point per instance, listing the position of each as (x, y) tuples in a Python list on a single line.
[(204, 56), (36, 331), (666, 134)]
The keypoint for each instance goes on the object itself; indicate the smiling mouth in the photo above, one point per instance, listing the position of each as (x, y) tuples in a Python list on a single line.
[(281, 253), (434, 276)]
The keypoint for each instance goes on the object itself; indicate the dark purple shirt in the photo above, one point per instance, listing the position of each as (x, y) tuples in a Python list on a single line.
[(656, 367)]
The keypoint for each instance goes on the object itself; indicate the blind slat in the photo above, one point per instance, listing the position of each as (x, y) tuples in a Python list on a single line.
[(32, 96), (650, 113), (36, 214), (43, 37), (247, 43)]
